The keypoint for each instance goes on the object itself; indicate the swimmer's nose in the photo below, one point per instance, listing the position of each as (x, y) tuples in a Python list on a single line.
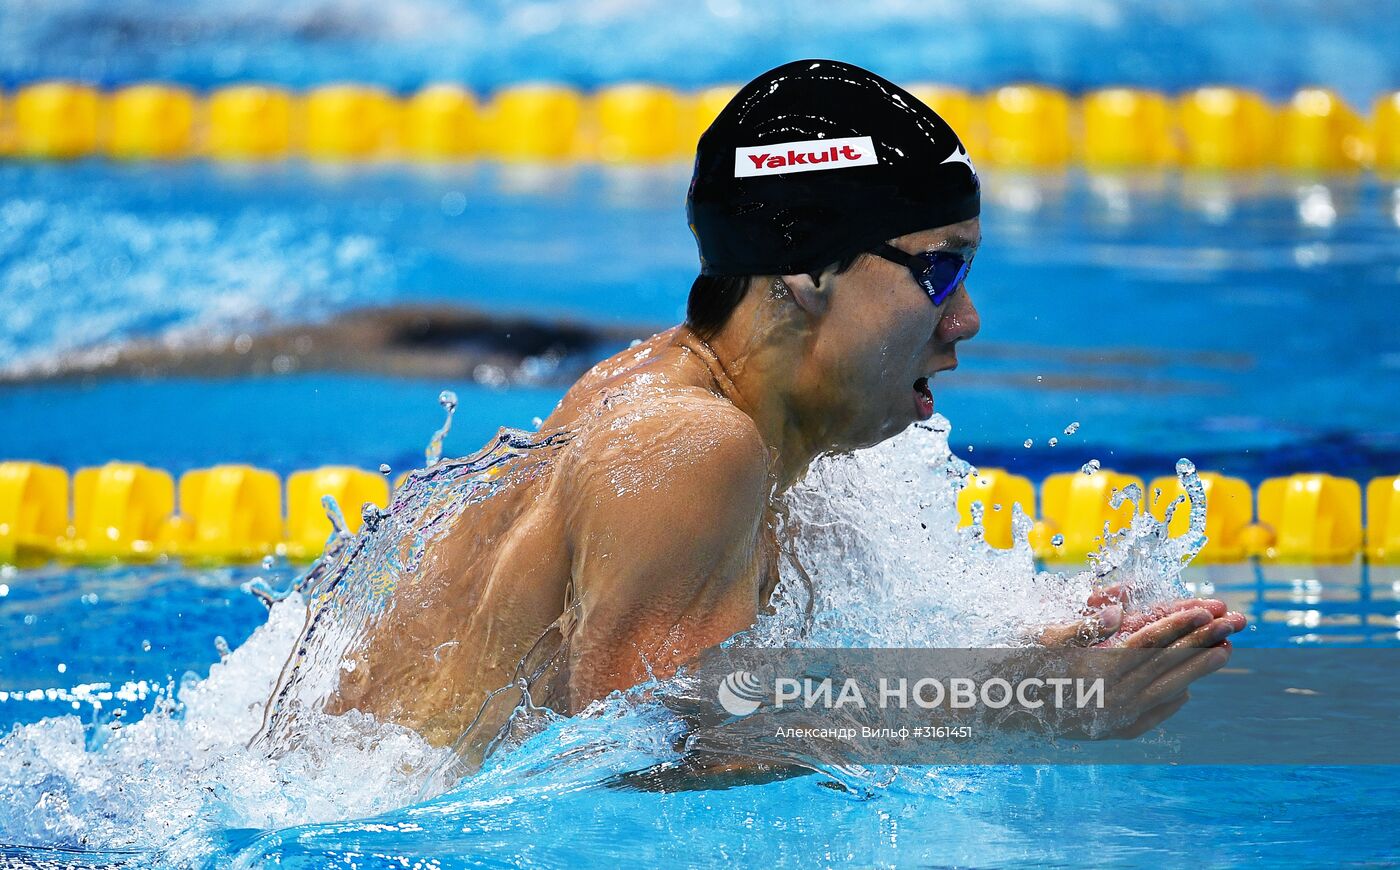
[(960, 320)]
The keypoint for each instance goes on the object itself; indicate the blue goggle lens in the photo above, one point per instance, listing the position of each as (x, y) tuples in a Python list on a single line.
[(943, 274)]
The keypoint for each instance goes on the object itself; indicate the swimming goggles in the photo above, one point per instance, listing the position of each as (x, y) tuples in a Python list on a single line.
[(938, 272)]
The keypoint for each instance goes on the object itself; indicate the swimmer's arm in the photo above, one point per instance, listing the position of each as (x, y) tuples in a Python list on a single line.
[(663, 533)]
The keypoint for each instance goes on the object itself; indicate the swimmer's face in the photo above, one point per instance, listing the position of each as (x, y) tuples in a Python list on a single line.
[(880, 341)]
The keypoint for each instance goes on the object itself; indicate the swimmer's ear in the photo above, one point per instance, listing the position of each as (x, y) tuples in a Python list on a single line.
[(811, 296)]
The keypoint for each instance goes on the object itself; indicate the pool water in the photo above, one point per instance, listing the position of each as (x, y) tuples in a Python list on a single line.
[(1231, 319), (1212, 318), (1274, 47), (1244, 321), (160, 787)]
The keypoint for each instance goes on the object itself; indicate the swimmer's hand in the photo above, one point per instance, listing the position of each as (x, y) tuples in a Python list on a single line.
[(1144, 689), (1109, 621)]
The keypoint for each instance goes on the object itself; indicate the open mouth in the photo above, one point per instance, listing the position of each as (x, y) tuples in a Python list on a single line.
[(923, 399)]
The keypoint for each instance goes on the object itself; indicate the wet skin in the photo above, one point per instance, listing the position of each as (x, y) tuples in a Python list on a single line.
[(649, 535)]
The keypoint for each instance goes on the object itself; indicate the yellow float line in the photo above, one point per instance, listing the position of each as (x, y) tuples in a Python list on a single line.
[(1023, 126), (127, 511)]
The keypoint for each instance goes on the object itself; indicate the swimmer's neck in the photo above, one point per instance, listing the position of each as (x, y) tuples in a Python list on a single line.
[(761, 376)]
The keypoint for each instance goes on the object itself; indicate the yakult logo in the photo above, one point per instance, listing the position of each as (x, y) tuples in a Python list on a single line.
[(804, 156)]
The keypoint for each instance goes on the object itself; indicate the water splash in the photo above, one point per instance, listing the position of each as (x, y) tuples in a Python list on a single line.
[(350, 588), (448, 400), (174, 779), (339, 528), (872, 558), (1144, 558)]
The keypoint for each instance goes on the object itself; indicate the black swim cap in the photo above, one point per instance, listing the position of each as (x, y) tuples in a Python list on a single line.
[(816, 161)]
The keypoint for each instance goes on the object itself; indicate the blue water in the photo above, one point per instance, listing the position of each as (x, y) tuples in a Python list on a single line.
[(1218, 322), (544, 805), (1246, 322), (1275, 46), (1232, 319)]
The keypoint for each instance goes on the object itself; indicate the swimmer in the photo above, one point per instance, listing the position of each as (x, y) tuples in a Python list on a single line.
[(836, 218)]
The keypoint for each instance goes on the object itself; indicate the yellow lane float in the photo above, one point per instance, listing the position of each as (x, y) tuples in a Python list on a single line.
[(638, 123), (1321, 133), (56, 120), (1126, 128), (119, 511), (227, 513), (441, 122), (1028, 126), (1386, 124), (1076, 506), (1313, 517), (151, 121), (1024, 126), (1383, 519), (535, 123), (307, 524), (1226, 128), (249, 122), (349, 122), (997, 490), (1230, 510), (33, 509)]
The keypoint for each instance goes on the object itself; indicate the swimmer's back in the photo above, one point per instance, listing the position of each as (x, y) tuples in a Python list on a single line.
[(647, 436)]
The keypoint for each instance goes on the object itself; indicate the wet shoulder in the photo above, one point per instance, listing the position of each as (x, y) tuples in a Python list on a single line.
[(682, 438), (625, 366)]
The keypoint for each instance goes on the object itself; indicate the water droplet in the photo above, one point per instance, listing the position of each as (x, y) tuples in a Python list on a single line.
[(371, 516), (969, 448), (1091, 467), (1054, 441), (268, 562), (448, 400), (996, 507), (62, 668), (1038, 379), (453, 203), (221, 646), (537, 422), (1072, 428), (1027, 443), (332, 509), (384, 469), (1057, 540), (145, 646)]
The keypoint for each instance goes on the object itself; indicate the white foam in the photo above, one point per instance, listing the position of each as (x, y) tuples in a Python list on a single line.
[(875, 533), (182, 771)]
